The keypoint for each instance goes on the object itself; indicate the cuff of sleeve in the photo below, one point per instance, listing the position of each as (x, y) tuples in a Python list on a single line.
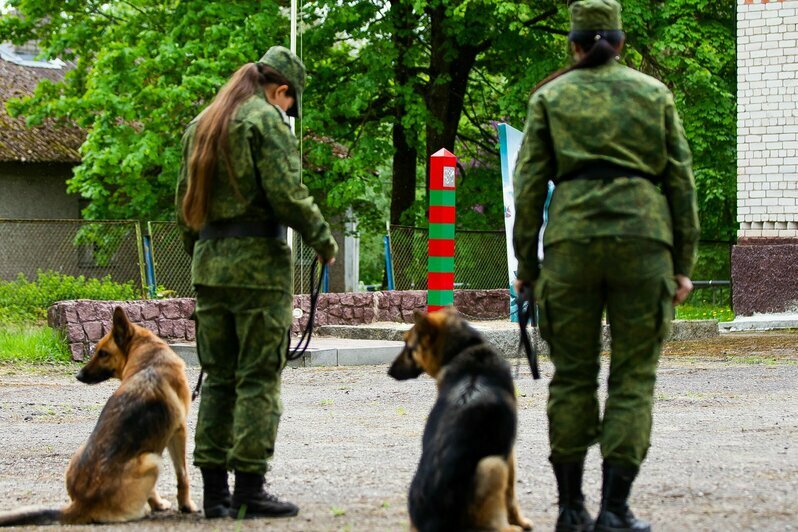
[(679, 270), (527, 272), (328, 250)]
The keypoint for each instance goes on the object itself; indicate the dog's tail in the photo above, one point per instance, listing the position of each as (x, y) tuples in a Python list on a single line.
[(31, 515)]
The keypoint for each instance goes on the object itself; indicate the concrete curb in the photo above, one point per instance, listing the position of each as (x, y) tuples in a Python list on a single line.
[(761, 322), (379, 343), (323, 352), (504, 334)]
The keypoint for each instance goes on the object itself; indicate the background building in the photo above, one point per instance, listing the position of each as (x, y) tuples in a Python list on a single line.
[(34, 162), (765, 260)]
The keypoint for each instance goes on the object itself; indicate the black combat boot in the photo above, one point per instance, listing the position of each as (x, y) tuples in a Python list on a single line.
[(573, 516), (615, 515), (250, 496), (215, 493)]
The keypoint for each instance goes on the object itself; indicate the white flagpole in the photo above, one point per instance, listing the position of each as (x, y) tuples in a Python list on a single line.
[(292, 120)]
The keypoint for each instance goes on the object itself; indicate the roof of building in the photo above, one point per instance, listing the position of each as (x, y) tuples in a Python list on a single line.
[(19, 75)]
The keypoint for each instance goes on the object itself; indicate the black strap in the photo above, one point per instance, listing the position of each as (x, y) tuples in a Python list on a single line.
[(237, 229), (315, 290), (300, 349), (526, 314), (606, 171), (196, 391)]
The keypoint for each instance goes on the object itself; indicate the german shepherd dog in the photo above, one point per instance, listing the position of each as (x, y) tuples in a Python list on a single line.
[(111, 478), (466, 477)]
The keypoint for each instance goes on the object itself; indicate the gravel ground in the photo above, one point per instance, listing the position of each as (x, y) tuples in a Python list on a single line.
[(724, 454)]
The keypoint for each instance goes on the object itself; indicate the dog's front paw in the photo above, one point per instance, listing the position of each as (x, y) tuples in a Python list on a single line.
[(159, 505), (189, 507), (525, 524)]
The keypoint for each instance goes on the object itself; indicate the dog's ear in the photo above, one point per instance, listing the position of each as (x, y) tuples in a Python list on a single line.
[(122, 329), (424, 326), (419, 317)]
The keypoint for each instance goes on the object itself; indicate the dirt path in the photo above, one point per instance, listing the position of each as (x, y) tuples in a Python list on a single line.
[(724, 453)]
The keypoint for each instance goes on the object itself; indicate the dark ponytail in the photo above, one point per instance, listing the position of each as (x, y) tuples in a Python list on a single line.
[(599, 47)]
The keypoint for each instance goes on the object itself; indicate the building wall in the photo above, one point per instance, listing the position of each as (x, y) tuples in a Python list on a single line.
[(767, 118), (36, 191), (765, 261)]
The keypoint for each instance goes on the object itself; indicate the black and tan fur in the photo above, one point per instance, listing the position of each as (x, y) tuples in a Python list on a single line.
[(466, 476), (111, 478)]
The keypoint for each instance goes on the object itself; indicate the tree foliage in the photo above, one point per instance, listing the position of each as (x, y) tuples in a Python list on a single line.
[(390, 82)]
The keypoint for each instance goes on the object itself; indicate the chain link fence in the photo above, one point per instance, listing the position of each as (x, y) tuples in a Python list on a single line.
[(480, 258), (119, 249), (481, 263), (171, 264), (93, 249)]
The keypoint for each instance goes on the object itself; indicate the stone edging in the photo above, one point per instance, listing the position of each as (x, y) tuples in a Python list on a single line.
[(84, 322)]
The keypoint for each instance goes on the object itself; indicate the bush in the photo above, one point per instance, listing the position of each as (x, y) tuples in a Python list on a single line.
[(23, 301)]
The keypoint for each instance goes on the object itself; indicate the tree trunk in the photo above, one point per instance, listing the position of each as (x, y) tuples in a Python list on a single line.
[(449, 69), (405, 156)]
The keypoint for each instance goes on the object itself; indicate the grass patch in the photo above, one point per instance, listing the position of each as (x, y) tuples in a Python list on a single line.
[(704, 312), (40, 345)]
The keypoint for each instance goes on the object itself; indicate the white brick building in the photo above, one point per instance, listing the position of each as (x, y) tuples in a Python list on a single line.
[(765, 272)]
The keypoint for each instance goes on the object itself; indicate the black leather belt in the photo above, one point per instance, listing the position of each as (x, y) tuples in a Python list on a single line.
[(237, 229), (606, 171)]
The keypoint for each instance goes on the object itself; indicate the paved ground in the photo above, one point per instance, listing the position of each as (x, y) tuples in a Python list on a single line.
[(724, 453)]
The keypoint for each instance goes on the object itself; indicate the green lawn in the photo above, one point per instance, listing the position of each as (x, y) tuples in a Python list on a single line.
[(704, 312), (29, 343)]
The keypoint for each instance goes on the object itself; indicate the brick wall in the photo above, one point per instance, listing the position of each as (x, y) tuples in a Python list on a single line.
[(767, 118)]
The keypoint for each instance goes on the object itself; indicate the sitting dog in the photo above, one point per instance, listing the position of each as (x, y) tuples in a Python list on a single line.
[(111, 478), (466, 477)]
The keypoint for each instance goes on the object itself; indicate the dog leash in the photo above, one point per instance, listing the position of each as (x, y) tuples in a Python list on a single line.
[(315, 290), (526, 314), (299, 350)]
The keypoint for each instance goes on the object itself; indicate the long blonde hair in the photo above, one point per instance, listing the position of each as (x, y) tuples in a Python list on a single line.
[(211, 137)]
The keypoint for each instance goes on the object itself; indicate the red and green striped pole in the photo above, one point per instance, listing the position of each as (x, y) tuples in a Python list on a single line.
[(440, 280)]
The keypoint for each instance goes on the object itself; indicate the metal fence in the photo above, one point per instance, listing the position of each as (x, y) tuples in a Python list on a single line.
[(121, 250), (481, 263), (93, 249), (171, 264), (480, 258), (154, 259), (712, 274)]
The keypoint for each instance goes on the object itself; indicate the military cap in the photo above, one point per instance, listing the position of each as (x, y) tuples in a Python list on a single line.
[(289, 65), (595, 15)]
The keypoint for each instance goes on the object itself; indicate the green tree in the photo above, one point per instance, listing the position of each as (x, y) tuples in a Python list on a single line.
[(143, 70), (690, 46), (391, 81), (414, 73)]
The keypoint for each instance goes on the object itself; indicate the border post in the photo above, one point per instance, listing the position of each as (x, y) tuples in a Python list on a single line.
[(440, 265)]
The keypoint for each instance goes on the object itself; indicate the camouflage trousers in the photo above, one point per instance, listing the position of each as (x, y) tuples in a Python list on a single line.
[(632, 278), (242, 336)]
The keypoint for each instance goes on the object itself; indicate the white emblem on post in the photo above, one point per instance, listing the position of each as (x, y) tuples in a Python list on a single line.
[(448, 176)]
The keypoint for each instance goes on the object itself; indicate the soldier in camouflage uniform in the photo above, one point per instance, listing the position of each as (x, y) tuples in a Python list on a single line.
[(233, 200), (621, 236)]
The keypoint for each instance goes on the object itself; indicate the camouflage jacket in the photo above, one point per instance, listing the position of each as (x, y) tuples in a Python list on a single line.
[(610, 114), (265, 160)]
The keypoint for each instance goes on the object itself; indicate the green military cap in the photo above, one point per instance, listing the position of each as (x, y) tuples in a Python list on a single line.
[(595, 15), (289, 65)]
